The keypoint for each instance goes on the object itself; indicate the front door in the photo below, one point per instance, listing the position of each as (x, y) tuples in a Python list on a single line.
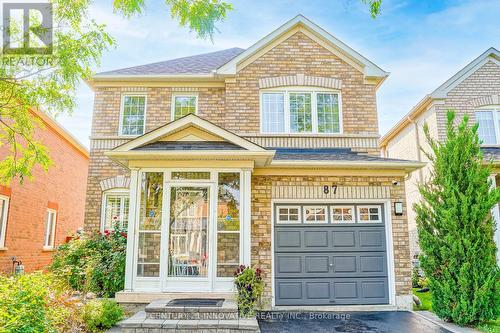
[(189, 265)]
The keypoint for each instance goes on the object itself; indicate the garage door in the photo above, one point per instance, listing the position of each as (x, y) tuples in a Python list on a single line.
[(330, 254)]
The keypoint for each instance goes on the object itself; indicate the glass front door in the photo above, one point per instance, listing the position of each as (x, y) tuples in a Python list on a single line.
[(188, 232)]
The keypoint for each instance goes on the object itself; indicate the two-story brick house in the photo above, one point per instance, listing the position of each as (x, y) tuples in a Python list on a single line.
[(266, 156), (37, 215), (473, 91)]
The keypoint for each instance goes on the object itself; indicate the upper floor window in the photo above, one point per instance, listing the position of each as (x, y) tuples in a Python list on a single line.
[(50, 228), (4, 212), (133, 114), (183, 105), (300, 110), (488, 119), (115, 210)]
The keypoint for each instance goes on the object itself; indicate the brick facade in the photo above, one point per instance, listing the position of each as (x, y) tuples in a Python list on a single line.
[(262, 189), (62, 187), (235, 107)]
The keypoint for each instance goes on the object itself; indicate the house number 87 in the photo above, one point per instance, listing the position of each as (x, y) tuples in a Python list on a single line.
[(327, 189)]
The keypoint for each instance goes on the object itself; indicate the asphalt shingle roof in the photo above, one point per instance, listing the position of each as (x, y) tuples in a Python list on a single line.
[(328, 154), (198, 64), (491, 153)]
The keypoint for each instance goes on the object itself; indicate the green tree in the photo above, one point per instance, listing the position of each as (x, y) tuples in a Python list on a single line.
[(456, 228), (49, 82)]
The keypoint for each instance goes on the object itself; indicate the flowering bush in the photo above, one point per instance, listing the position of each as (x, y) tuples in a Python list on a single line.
[(250, 286), (95, 263)]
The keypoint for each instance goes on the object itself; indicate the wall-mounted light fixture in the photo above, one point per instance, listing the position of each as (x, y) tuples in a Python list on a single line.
[(398, 208)]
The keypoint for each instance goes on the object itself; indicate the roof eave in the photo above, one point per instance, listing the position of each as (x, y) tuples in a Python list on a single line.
[(369, 165)]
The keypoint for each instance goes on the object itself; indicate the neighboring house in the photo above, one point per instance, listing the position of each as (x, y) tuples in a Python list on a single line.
[(266, 157), (37, 215), (473, 91)]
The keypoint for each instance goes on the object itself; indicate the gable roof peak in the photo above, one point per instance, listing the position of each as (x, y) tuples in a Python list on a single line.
[(369, 68)]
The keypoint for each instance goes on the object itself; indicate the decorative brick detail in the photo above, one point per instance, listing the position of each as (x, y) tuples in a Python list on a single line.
[(115, 182), (300, 80), (262, 194), (344, 192), (485, 100)]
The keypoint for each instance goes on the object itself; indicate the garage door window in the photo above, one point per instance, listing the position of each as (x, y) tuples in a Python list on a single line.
[(288, 214), (315, 214), (342, 214), (369, 214)]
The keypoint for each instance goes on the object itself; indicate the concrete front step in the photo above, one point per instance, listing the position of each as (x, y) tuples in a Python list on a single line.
[(139, 323), (160, 310)]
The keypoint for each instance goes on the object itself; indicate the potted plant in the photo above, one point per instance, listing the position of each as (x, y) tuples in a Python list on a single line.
[(250, 286)]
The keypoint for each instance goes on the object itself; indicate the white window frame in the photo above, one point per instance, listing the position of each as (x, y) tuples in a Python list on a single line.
[(4, 216), (358, 214), (50, 246), (343, 207), (495, 111), (314, 108), (172, 103), (113, 192), (122, 109), (299, 210), (305, 207)]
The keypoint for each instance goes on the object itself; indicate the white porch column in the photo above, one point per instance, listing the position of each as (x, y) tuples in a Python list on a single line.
[(495, 211), (247, 217), (132, 216)]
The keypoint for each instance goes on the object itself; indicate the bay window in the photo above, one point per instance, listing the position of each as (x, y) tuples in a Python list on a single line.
[(301, 110), (488, 119)]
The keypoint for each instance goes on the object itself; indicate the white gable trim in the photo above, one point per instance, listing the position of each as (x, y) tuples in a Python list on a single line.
[(491, 54), (184, 122), (370, 69)]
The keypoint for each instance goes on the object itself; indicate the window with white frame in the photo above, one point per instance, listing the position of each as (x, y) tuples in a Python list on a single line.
[(183, 105), (50, 228), (133, 115), (369, 214), (300, 110), (288, 214), (4, 213), (315, 214), (488, 119), (115, 210), (342, 214)]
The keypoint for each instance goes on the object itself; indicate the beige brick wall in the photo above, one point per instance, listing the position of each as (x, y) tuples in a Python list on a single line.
[(236, 108), (484, 82), (301, 55), (261, 222)]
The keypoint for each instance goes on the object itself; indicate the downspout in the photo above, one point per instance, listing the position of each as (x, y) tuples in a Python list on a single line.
[(419, 148)]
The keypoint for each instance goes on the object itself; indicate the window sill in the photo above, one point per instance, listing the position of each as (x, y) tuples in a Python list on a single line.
[(3, 248), (48, 249)]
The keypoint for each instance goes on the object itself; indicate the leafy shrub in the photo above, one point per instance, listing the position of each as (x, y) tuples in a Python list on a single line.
[(455, 228), (415, 276), (100, 315), (423, 282), (95, 263), (36, 302), (250, 285)]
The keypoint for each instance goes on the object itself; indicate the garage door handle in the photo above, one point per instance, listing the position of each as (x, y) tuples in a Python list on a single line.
[(331, 265)]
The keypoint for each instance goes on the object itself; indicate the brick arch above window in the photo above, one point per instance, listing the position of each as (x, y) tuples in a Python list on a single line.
[(485, 101), (115, 182), (300, 80)]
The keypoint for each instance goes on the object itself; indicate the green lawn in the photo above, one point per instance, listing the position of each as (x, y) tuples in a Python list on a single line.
[(425, 298)]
